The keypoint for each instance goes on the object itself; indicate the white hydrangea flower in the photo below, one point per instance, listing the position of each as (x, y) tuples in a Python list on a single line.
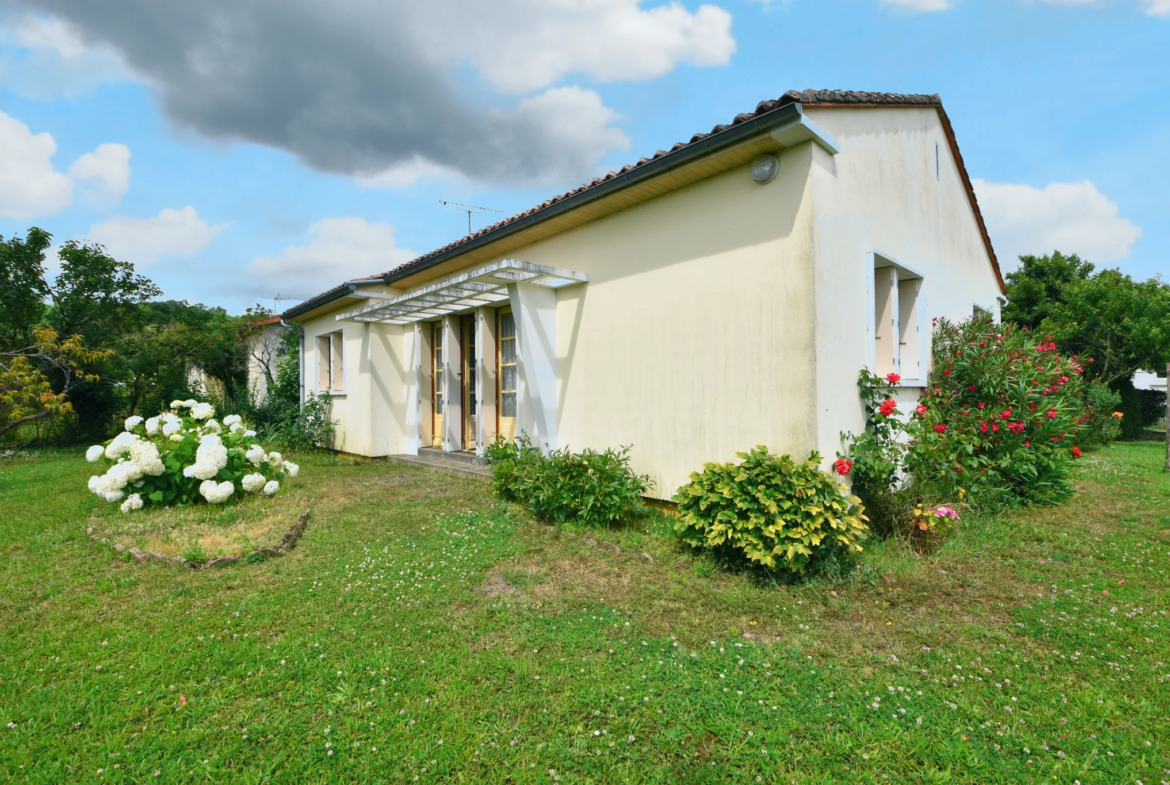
[(176, 437), (274, 458), (249, 433), (145, 455), (113, 497), (152, 426), (120, 445), (253, 483), (177, 404), (211, 426), (291, 468), (94, 454), (170, 417), (271, 487), (201, 411), (95, 483), (210, 457), (133, 422), (216, 493), (190, 402), (255, 454), (235, 427), (233, 419), (171, 427), (133, 502)]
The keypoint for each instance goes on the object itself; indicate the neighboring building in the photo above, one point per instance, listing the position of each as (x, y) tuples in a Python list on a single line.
[(713, 297), (1143, 380), (263, 346)]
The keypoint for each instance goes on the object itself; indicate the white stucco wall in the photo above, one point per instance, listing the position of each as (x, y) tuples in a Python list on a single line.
[(882, 193)]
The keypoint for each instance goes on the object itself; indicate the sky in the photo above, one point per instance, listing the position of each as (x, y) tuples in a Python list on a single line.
[(261, 152)]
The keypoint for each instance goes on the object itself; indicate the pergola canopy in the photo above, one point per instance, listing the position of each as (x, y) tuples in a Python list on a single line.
[(483, 286)]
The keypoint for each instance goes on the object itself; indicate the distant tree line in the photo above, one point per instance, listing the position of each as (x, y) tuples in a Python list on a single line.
[(1121, 325), (93, 345)]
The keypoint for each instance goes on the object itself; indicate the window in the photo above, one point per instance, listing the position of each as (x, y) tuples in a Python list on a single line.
[(900, 341), (508, 374), (331, 362)]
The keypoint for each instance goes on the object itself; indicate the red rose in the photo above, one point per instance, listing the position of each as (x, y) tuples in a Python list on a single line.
[(940, 428), (893, 378), (842, 466), (921, 409), (888, 407)]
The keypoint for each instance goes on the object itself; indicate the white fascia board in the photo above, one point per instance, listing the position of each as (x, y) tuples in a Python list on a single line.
[(801, 129)]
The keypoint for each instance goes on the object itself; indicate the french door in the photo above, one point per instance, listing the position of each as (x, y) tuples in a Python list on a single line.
[(437, 384), (507, 374), (470, 409)]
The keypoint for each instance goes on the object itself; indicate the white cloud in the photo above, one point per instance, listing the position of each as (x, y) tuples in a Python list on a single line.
[(143, 241), (341, 249), (29, 185), (407, 173), (46, 59), (1067, 217), (103, 174), (523, 45), (920, 6), (1156, 7)]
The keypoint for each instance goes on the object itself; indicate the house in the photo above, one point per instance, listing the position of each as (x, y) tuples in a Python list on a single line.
[(263, 344), (715, 296)]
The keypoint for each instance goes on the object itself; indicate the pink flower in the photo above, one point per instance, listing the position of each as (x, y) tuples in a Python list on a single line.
[(1050, 414), (842, 466), (920, 408), (940, 428)]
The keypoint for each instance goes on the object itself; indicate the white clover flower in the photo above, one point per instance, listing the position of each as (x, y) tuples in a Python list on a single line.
[(253, 483), (120, 445), (255, 454), (211, 426), (94, 454), (152, 426), (291, 468), (133, 502), (133, 422), (274, 458), (216, 494), (232, 419), (271, 487), (201, 411), (249, 432), (171, 427), (177, 404)]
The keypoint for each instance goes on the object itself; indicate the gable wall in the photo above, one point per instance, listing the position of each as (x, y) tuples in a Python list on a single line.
[(881, 193)]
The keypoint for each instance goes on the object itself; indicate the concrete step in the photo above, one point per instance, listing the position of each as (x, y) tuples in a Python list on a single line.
[(437, 454), (440, 463)]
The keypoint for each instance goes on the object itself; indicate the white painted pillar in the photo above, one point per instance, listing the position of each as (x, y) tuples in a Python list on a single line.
[(535, 311), (452, 392), (477, 393), (414, 376)]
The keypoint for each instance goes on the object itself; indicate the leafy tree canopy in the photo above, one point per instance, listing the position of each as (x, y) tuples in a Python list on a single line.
[(22, 287), (1036, 289)]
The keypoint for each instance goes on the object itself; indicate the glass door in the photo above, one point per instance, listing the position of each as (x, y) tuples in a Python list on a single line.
[(437, 384), (470, 410), (508, 376)]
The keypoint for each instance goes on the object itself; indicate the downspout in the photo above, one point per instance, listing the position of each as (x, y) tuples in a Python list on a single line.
[(301, 361)]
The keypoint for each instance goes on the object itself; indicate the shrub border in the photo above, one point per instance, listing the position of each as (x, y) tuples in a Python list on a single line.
[(287, 543)]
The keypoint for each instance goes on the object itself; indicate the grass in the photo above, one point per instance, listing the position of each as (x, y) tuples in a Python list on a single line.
[(422, 630)]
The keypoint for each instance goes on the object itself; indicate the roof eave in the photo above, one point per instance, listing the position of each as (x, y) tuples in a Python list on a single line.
[(786, 124)]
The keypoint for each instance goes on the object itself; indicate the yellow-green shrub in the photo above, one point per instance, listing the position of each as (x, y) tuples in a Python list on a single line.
[(771, 512)]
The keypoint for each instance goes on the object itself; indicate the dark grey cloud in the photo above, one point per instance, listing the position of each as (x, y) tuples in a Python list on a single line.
[(349, 86)]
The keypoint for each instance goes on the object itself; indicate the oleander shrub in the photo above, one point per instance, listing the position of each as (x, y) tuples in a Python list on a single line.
[(592, 487), (771, 512), (997, 424), (183, 456)]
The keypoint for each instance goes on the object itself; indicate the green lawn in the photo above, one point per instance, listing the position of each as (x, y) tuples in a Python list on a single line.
[(420, 631)]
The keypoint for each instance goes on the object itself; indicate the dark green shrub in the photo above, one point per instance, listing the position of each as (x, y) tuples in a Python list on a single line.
[(1099, 421), (595, 488), (771, 512), (306, 427)]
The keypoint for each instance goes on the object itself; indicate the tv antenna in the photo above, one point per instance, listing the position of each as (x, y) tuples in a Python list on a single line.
[(469, 209)]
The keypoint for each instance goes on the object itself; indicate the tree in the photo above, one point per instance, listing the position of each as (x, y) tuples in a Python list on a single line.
[(1117, 326), (26, 393), (22, 287), (1036, 289), (95, 295)]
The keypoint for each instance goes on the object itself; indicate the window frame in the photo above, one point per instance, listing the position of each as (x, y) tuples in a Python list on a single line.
[(335, 343), (876, 260)]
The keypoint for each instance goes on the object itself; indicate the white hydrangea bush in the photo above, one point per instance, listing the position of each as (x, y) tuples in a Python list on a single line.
[(183, 456)]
